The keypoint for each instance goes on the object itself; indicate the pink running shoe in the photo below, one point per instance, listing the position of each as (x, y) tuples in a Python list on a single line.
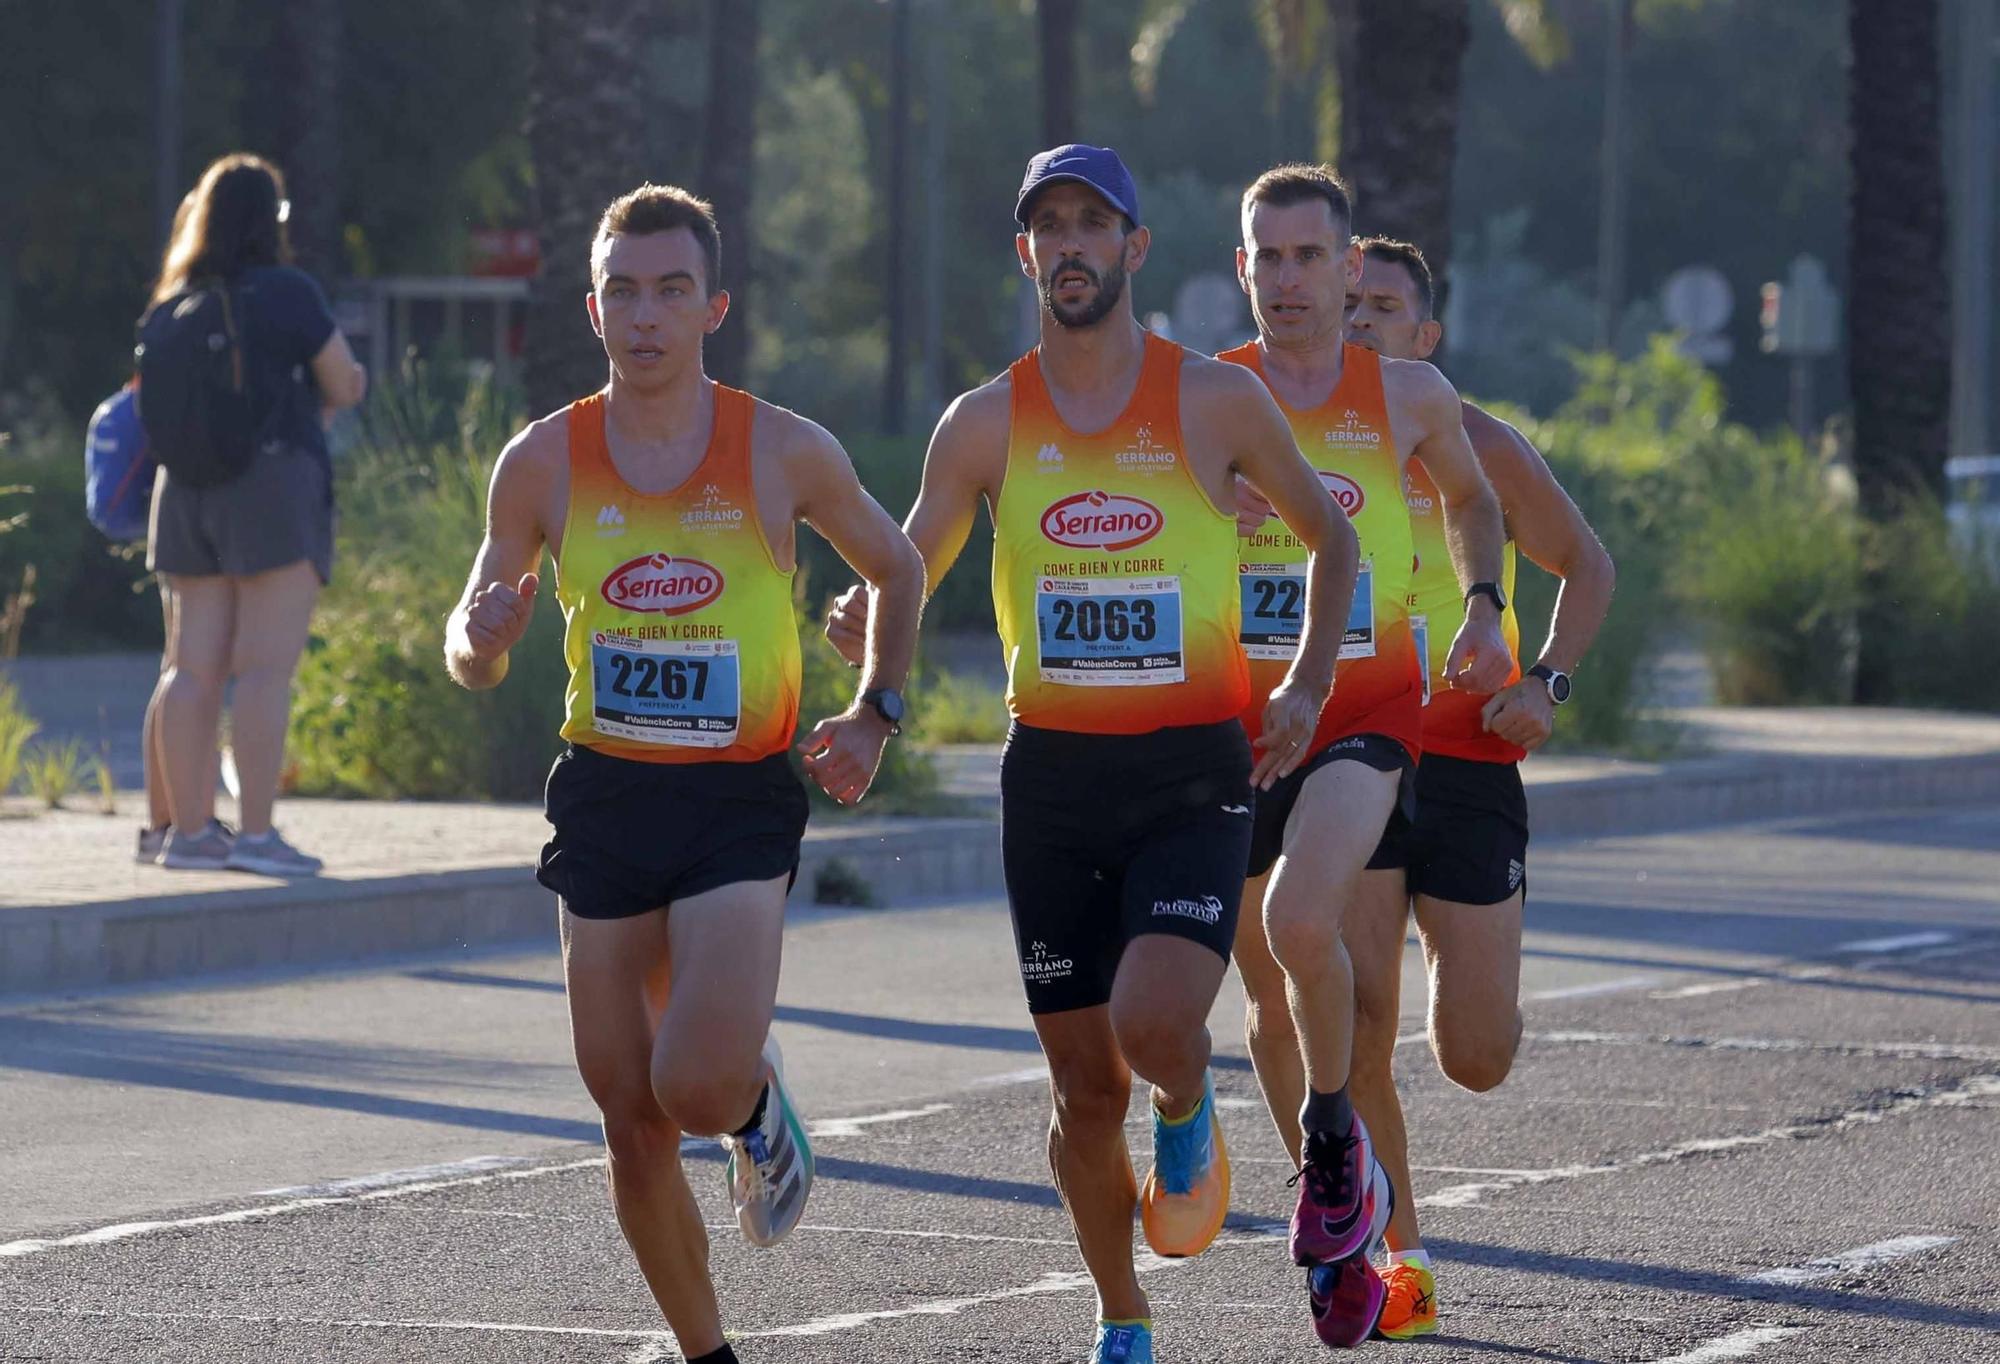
[(1336, 1197), (1347, 1300)]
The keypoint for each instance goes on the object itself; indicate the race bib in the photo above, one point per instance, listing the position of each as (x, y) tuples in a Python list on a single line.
[(682, 692), (1420, 631), (1274, 611), (1110, 632)]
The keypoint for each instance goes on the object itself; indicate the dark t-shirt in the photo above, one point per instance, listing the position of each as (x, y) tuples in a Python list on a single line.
[(285, 321)]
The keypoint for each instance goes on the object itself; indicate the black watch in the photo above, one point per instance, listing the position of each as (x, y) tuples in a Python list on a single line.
[(1487, 590), (886, 702), (1557, 683)]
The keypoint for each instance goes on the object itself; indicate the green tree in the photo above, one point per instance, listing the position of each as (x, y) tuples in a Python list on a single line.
[(584, 113), (728, 169)]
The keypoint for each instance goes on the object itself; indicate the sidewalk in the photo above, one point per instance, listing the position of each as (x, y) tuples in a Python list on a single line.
[(76, 912)]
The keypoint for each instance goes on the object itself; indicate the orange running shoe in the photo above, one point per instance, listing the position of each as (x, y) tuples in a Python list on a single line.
[(1186, 1194), (1412, 1306)]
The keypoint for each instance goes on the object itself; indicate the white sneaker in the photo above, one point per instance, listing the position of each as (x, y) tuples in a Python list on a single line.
[(771, 1166), (269, 855), (208, 850), (152, 843)]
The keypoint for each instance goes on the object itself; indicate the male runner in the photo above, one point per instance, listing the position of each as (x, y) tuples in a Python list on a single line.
[(1107, 458), (1462, 861), (1359, 419), (669, 503)]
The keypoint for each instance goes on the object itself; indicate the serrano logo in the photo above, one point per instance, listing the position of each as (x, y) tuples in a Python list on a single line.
[(662, 584), (1345, 491), (1102, 521)]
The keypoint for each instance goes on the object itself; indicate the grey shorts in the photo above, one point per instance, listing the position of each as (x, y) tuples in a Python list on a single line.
[(276, 512)]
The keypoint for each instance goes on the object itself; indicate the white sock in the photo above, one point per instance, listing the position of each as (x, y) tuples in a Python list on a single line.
[(1419, 1257)]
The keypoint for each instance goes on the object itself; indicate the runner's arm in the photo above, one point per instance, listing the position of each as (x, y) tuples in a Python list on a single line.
[(1551, 531), (1474, 532), (964, 464), (832, 501), (500, 594)]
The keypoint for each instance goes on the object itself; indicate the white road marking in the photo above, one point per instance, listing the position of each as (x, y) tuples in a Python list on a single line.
[(976, 1237), (1012, 1077), (1599, 987), (123, 1231), (1736, 1345), (1472, 1195), (363, 1324), (386, 1179), (1851, 1261), (1901, 942), (853, 1127), (1921, 1051)]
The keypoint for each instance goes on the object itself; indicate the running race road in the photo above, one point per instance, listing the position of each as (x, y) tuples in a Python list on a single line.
[(1756, 1117)]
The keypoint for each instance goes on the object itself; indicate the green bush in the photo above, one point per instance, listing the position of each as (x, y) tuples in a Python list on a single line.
[(89, 594), (956, 709), (53, 771), (17, 727), (1937, 620)]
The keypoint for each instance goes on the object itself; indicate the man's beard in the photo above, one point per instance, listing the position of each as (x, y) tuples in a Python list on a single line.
[(1110, 288)]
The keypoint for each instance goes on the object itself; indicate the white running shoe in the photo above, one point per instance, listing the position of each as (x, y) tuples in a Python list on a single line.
[(771, 1166)]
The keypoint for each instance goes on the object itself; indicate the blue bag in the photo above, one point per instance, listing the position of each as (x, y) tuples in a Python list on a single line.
[(118, 468)]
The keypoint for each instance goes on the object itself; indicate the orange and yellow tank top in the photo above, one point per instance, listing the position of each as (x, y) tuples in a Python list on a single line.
[(1378, 682), (678, 625), (1451, 717), (1112, 568)]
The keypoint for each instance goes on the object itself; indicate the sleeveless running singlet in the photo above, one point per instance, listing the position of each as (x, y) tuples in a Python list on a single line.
[(679, 632), (1451, 717), (1112, 568), (1378, 683)]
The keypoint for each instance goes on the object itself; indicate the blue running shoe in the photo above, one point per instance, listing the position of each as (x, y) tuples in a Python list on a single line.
[(1186, 1194), (1123, 1342)]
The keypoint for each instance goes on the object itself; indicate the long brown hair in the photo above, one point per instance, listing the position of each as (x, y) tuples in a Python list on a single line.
[(228, 221)]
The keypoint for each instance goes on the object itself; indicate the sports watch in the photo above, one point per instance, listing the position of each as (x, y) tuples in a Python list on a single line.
[(1487, 590), (886, 702), (1557, 683)]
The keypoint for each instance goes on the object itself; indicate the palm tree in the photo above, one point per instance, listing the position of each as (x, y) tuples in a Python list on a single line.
[(1899, 304), (1899, 298), (307, 69), (1399, 63), (1056, 22), (583, 112), (728, 166)]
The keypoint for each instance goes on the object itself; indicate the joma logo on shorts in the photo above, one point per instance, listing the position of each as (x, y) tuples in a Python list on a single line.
[(662, 585), (1207, 909), (1345, 491), (1103, 521)]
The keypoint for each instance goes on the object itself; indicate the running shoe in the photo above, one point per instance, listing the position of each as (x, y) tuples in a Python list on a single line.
[(268, 854), (1336, 1196), (1186, 1194), (771, 1165), (1123, 1342), (152, 842), (1410, 1308), (207, 850), (1347, 1298)]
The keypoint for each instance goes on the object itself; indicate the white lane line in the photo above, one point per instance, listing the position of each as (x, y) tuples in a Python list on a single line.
[(123, 1231), (1919, 1051), (1963, 1094), (1599, 987), (1851, 1261), (854, 1127), (1901, 942), (357, 1324), (387, 1179), (1736, 1345), (1011, 1077), (974, 1237), (1065, 1281)]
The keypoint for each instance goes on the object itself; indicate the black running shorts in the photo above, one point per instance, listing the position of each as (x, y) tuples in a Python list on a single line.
[(1105, 837), (632, 836), (1469, 841), (1274, 807)]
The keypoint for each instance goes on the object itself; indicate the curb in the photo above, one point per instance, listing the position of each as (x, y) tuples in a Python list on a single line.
[(324, 923)]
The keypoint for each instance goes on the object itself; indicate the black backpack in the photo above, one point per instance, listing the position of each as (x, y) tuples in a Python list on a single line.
[(201, 412)]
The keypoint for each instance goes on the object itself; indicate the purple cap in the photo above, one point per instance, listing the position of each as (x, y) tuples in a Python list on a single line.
[(1098, 167)]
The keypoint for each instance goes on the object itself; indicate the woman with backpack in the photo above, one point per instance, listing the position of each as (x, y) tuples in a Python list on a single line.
[(239, 360)]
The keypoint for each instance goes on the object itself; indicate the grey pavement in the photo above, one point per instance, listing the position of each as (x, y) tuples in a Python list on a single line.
[(1754, 1118)]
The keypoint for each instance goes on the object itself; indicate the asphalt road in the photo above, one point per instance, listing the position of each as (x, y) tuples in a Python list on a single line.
[(1757, 1116)]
